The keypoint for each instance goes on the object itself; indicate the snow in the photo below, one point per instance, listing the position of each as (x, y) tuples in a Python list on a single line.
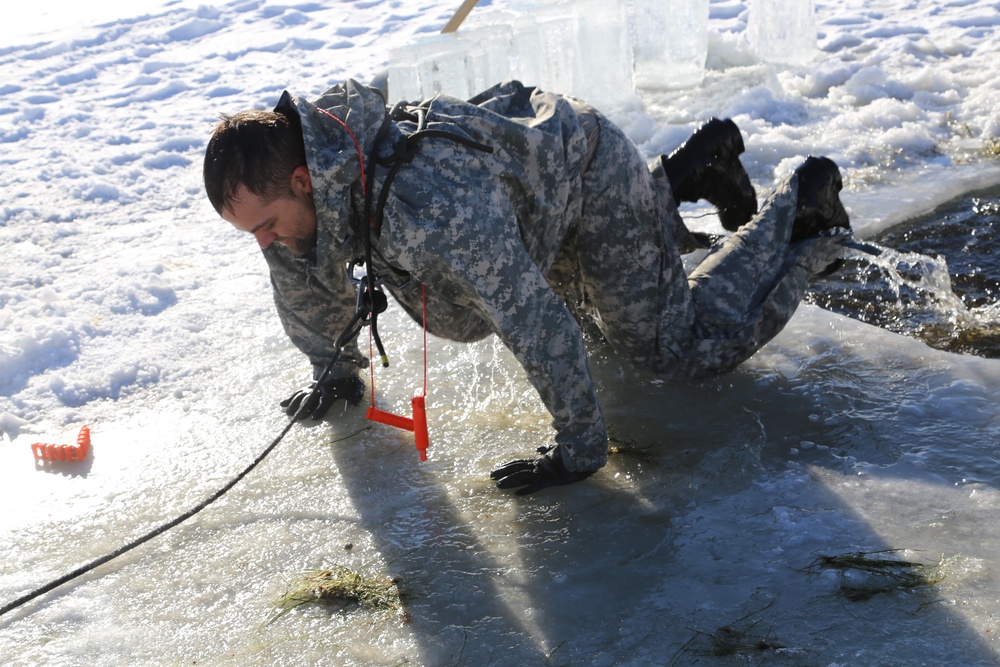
[(126, 304)]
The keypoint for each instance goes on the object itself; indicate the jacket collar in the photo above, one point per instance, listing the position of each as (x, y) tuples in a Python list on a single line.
[(338, 130)]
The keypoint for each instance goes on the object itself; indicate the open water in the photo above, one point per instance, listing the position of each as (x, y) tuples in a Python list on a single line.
[(936, 277)]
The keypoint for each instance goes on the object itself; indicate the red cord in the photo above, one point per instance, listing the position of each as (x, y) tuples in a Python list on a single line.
[(418, 422), (423, 298), (374, 414), (357, 147)]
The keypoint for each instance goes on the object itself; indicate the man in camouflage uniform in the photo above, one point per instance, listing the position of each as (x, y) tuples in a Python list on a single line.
[(514, 206)]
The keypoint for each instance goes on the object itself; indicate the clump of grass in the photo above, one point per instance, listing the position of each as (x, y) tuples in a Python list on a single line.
[(728, 640), (341, 587), (865, 574), (745, 638)]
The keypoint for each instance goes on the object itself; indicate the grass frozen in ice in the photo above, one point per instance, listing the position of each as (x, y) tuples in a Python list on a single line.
[(341, 587), (746, 638), (864, 574)]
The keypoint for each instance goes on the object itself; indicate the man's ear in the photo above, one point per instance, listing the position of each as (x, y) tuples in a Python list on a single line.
[(301, 181)]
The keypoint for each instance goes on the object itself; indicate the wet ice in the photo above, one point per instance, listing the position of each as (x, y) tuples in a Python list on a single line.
[(126, 304)]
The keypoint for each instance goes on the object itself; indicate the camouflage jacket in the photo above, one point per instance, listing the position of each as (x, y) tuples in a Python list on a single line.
[(480, 230)]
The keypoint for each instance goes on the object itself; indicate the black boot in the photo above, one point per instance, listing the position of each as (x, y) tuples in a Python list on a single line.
[(707, 166), (818, 207)]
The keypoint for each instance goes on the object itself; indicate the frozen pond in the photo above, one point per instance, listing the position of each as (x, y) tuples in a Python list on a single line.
[(837, 438), (126, 305)]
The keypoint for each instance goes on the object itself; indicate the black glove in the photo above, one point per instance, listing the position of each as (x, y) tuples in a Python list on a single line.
[(318, 398), (536, 474)]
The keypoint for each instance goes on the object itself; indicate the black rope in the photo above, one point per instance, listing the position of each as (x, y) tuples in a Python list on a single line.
[(352, 330), (373, 211), (371, 301), (150, 535), (370, 285)]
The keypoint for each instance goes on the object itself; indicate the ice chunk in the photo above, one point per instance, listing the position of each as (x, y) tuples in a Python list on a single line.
[(446, 65), (582, 48), (491, 54), (460, 64), (555, 46), (782, 31), (602, 69), (403, 79), (670, 42)]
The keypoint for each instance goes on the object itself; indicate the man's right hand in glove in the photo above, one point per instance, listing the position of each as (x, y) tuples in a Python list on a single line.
[(316, 400), (535, 474)]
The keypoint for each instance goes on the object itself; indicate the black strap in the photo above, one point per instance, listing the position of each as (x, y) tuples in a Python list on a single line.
[(403, 154), (405, 151)]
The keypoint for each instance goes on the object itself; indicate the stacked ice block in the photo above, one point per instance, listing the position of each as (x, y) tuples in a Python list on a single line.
[(581, 48), (598, 50)]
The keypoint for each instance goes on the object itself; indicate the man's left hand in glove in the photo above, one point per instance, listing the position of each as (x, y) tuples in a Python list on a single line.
[(536, 474), (316, 400)]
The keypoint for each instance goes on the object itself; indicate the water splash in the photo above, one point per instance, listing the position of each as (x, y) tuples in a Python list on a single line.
[(936, 278)]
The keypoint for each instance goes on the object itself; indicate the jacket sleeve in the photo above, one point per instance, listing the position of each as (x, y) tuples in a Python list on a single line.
[(314, 309), (467, 247)]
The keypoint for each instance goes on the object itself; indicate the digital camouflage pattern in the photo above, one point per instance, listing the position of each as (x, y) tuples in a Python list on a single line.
[(503, 241)]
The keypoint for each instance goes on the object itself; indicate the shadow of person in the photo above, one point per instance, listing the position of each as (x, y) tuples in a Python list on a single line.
[(699, 535), (451, 576)]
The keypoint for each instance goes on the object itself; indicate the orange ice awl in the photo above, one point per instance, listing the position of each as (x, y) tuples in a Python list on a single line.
[(78, 452), (418, 424)]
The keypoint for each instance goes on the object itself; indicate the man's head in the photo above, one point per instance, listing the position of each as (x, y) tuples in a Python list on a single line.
[(257, 179)]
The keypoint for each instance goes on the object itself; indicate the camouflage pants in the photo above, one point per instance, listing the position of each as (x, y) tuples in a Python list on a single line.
[(622, 264)]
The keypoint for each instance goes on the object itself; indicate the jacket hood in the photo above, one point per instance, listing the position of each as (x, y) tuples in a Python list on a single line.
[(338, 130)]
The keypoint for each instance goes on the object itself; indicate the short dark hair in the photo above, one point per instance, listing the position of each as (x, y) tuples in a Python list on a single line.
[(257, 149)]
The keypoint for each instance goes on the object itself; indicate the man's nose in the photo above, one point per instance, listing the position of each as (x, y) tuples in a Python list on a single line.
[(265, 237)]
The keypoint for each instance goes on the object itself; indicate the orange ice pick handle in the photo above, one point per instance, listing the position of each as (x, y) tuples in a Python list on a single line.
[(417, 424)]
